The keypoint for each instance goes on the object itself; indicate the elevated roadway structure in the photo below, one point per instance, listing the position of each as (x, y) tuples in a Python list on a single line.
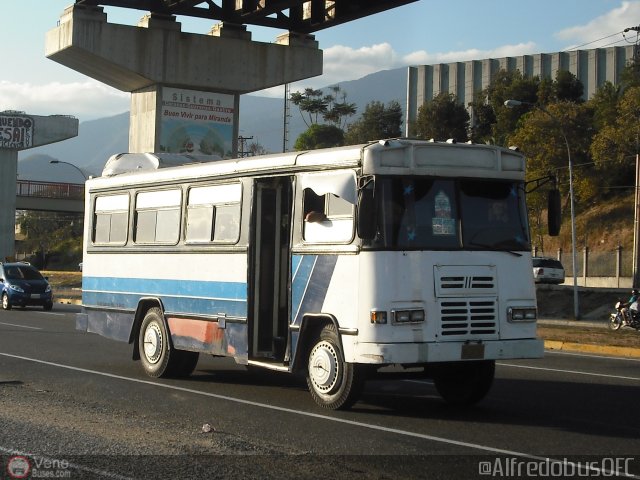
[(21, 131), (185, 87)]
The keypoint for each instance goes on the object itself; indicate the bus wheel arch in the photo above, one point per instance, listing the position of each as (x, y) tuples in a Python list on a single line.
[(144, 306), (156, 352), (333, 383)]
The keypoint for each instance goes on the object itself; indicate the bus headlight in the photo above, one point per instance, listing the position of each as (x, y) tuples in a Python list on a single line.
[(407, 316), (522, 314)]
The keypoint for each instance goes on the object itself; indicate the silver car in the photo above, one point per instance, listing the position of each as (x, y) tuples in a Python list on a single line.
[(547, 270)]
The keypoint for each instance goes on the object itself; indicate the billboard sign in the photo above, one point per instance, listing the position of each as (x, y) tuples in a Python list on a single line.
[(197, 122), (16, 131)]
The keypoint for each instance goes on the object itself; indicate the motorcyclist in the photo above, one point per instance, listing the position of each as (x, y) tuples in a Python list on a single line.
[(630, 307)]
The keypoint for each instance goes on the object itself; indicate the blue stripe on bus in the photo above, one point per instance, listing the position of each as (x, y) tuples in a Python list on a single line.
[(310, 283), (185, 296), (301, 266)]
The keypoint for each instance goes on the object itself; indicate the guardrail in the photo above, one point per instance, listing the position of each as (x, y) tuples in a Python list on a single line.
[(29, 188)]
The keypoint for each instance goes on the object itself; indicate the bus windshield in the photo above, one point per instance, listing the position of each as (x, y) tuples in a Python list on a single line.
[(446, 214)]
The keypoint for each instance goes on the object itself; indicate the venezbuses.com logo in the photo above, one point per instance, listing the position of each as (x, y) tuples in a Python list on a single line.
[(515, 467), (20, 466)]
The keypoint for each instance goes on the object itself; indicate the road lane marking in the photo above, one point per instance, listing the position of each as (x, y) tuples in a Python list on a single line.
[(576, 372), (380, 428), (21, 326)]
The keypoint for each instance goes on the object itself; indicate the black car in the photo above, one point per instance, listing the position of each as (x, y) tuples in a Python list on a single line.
[(21, 285)]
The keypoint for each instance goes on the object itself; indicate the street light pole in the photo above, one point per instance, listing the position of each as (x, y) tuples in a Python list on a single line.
[(516, 103), (55, 162)]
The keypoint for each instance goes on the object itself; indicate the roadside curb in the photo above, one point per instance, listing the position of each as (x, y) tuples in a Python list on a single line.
[(589, 348)]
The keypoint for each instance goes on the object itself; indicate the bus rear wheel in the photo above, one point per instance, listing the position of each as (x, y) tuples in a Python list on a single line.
[(157, 357), (333, 383), (464, 383)]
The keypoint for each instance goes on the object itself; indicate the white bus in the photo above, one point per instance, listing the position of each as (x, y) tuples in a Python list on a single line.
[(330, 263)]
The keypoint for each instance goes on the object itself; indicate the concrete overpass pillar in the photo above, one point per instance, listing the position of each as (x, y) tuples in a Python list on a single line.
[(185, 87), (20, 131)]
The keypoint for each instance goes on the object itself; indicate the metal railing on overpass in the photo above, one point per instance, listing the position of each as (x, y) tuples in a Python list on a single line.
[(29, 188), (49, 196)]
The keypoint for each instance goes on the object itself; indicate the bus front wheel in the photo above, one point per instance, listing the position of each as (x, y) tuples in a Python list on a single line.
[(157, 356), (333, 383), (464, 383)]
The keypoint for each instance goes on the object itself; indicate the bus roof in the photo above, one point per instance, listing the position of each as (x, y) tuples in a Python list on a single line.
[(392, 157)]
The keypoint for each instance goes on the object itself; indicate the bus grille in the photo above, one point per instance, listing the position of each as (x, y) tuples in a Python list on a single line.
[(474, 318)]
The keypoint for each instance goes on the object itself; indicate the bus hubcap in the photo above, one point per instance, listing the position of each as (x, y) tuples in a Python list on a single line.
[(323, 367), (153, 343)]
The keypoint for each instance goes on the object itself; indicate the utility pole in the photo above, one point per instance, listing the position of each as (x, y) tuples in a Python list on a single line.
[(636, 210), (285, 130), (242, 140)]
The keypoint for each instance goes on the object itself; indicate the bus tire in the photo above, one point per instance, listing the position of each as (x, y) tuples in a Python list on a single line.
[(333, 383), (153, 342), (464, 383), (184, 364)]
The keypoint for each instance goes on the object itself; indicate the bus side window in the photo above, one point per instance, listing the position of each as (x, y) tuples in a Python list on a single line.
[(213, 214), (158, 216), (327, 218), (110, 220)]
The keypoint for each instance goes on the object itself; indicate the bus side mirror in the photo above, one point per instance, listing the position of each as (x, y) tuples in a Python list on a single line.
[(553, 212), (366, 225)]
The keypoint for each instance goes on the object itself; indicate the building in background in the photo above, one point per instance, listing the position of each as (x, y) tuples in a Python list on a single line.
[(464, 79)]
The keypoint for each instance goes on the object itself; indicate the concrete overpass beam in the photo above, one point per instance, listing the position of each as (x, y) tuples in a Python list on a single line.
[(156, 52), (158, 63)]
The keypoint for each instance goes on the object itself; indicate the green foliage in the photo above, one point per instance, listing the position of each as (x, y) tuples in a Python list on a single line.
[(567, 87), (442, 118), (617, 143), (53, 234), (510, 85), (378, 121), (320, 136), (332, 107)]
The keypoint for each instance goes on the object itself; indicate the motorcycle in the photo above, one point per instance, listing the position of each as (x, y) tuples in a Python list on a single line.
[(624, 318)]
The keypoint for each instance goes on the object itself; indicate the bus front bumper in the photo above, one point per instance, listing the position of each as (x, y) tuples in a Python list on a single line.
[(420, 353)]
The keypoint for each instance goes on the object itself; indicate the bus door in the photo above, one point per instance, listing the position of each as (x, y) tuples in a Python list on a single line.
[(270, 255)]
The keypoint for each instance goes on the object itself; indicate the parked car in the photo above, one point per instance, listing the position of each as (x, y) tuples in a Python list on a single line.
[(21, 284), (547, 270)]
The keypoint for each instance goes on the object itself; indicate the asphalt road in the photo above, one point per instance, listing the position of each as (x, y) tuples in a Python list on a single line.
[(75, 405)]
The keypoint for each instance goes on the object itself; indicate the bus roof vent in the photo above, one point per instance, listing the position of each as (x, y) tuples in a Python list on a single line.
[(133, 162)]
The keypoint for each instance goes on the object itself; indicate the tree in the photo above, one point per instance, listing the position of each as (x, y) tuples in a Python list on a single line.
[(377, 121), (605, 104), (442, 118), (314, 104), (49, 232), (256, 148), (567, 87), (332, 108), (320, 136), (541, 136), (494, 116), (338, 111), (310, 103), (615, 146)]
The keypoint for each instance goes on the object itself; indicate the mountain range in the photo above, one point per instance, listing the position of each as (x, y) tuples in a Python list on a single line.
[(260, 117)]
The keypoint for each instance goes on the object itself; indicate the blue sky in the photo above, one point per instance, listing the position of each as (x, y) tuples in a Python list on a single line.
[(425, 32)]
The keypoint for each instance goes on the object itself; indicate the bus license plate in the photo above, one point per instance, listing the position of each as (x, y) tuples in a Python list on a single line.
[(472, 351)]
